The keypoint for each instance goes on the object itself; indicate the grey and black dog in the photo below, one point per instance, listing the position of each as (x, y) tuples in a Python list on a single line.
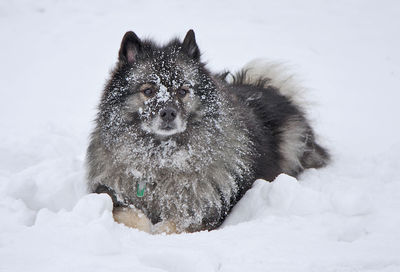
[(176, 146)]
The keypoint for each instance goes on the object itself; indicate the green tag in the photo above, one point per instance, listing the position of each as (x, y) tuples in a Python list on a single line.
[(140, 189)]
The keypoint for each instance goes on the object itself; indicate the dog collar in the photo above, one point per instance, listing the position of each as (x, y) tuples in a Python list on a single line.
[(141, 186)]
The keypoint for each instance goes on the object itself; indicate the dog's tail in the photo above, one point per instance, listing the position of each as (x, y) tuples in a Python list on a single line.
[(264, 73), (298, 144)]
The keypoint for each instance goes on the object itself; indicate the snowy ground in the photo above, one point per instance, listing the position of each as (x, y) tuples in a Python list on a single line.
[(55, 56)]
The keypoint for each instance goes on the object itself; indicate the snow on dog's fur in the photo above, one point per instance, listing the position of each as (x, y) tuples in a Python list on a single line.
[(278, 76), (176, 146)]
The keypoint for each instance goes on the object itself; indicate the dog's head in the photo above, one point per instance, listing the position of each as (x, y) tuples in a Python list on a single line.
[(161, 90)]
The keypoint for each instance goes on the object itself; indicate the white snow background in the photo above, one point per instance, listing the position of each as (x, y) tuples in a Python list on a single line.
[(54, 59)]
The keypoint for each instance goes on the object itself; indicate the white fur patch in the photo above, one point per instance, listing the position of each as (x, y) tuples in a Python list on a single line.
[(155, 125), (293, 144)]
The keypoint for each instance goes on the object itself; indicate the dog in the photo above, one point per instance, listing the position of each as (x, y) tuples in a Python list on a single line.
[(176, 146)]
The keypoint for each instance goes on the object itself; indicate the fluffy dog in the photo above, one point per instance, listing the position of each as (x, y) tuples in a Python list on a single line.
[(176, 146)]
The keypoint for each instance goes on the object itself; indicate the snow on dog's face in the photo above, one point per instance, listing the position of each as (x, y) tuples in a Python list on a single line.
[(162, 91), (162, 96)]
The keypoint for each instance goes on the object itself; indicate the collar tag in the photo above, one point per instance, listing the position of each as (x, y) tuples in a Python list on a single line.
[(141, 186)]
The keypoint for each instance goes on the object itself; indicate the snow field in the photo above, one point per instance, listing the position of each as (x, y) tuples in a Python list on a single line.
[(55, 57)]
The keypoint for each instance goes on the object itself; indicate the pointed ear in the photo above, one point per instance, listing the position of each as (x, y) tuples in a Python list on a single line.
[(130, 47), (189, 45)]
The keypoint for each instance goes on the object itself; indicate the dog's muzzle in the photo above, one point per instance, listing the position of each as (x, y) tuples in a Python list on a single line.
[(168, 122)]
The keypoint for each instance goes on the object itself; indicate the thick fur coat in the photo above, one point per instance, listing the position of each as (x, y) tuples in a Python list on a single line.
[(176, 146)]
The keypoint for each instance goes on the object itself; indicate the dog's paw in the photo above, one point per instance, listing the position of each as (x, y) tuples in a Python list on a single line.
[(167, 227), (133, 218)]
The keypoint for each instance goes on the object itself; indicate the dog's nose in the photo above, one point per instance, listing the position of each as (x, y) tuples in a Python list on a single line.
[(168, 114)]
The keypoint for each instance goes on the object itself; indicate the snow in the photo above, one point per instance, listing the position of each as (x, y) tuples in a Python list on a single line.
[(55, 58)]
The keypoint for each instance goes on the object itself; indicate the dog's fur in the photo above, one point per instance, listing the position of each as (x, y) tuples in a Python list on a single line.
[(193, 141)]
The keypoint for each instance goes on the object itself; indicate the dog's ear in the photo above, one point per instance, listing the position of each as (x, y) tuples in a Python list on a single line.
[(189, 45), (131, 46)]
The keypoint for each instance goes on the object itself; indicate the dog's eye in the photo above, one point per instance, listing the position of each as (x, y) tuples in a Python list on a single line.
[(148, 92), (182, 92)]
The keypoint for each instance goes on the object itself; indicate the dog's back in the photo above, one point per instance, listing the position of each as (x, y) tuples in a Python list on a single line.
[(282, 134)]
